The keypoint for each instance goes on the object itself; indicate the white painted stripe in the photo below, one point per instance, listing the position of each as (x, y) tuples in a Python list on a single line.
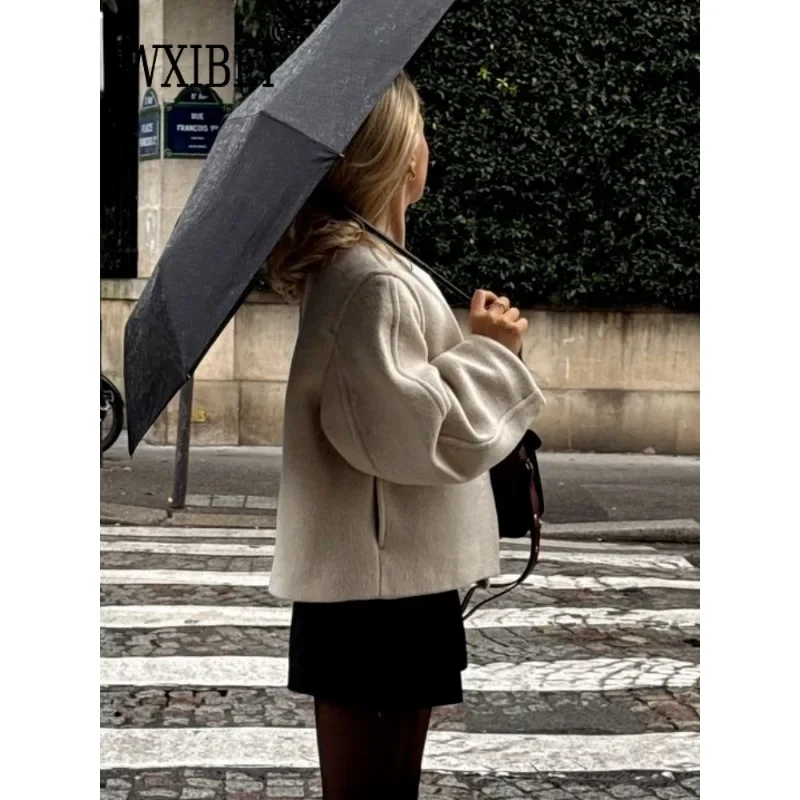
[(129, 532), (587, 583), (190, 577), (268, 534), (660, 561), (193, 616), (585, 675), (445, 751), (268, 616), (579, 675), (631, 561), (181, 577), (194, 671), (563, 544), (189, 548), (593, 617)]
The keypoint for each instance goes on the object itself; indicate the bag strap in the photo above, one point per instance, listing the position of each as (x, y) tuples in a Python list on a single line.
[(506, 587), (533, 558)]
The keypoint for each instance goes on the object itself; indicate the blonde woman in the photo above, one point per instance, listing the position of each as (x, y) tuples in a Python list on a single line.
[(392, 420)]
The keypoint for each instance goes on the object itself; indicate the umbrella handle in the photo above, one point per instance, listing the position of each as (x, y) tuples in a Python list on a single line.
[(418, 261)]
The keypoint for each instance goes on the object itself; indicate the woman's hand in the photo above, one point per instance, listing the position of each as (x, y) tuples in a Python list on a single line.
[(494, 317)]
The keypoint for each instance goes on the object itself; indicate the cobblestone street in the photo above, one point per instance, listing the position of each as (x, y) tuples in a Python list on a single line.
[(583, 684)]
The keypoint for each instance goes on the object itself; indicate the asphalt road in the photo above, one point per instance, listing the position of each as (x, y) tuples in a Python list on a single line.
[(578, 487)]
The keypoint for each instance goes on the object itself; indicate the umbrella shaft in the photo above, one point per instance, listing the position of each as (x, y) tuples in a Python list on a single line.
[(181, 476)]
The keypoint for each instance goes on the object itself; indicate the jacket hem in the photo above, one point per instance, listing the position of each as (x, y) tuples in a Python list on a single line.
[(327, 596)]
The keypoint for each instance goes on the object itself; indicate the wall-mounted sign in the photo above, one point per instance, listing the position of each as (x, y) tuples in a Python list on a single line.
[(149, 127), (192, 122)]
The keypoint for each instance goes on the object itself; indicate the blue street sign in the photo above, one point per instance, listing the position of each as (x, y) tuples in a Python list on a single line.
[(192, 122), (149, 127)]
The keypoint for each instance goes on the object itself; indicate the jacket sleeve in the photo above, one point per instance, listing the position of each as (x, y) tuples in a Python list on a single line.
[(393, 413)]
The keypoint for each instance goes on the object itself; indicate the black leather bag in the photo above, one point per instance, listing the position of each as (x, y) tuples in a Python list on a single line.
[(517, 487), (516, 481)]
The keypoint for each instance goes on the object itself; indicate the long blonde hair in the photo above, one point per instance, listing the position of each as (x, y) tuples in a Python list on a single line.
[(374, 167)]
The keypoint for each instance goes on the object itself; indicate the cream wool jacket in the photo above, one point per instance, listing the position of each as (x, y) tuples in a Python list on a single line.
[(392, 421)]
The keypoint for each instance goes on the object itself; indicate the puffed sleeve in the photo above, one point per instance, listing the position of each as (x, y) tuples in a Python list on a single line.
[(392, 412)]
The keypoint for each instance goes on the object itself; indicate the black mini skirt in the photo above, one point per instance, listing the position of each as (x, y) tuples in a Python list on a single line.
[(396, 654)]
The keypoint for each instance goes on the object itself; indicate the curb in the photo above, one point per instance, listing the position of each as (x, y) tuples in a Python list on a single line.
[(118, 514), (677, 531), (188, 518)]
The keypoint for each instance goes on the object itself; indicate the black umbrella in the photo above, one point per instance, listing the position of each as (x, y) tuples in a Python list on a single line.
[(270, 155)]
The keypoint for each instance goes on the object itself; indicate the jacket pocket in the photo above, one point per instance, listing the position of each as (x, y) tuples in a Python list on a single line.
[(380, 515)]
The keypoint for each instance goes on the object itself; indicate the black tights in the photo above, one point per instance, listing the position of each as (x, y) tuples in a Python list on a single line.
[(367, 755)]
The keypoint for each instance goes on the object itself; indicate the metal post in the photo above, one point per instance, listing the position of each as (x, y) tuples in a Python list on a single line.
[(101, 399), (178, 499)]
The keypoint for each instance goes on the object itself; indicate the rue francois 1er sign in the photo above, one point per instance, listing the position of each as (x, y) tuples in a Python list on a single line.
[(192, 122)]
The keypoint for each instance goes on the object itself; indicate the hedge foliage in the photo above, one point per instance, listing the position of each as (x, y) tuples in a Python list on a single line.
[(564, 141)]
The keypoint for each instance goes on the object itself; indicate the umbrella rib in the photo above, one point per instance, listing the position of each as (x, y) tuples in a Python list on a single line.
[(294, 129)]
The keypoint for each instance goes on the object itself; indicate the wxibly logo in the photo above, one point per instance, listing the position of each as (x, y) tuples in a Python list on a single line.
[(174, 53)]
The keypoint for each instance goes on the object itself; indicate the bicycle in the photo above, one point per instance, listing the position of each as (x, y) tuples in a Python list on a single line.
[(112, 411)]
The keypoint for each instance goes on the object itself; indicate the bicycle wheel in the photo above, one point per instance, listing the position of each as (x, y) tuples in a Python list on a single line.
[(111, 413)]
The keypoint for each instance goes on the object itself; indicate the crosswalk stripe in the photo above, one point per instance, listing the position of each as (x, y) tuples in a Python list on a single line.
[(577, 675), (268, 616), (190, 577), (588, 583), (565, 544), (189, 548), (661, 561), (268, 534), (592, 617), (445, 751), (134, 532)]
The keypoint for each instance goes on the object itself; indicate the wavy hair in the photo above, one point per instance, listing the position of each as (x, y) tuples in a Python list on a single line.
[(373, 169)]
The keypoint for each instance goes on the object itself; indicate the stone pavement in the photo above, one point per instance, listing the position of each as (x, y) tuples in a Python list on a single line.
[(583, 684), (243, 482)]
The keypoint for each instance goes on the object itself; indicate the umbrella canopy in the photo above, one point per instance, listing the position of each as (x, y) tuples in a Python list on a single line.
[(269, 156)]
